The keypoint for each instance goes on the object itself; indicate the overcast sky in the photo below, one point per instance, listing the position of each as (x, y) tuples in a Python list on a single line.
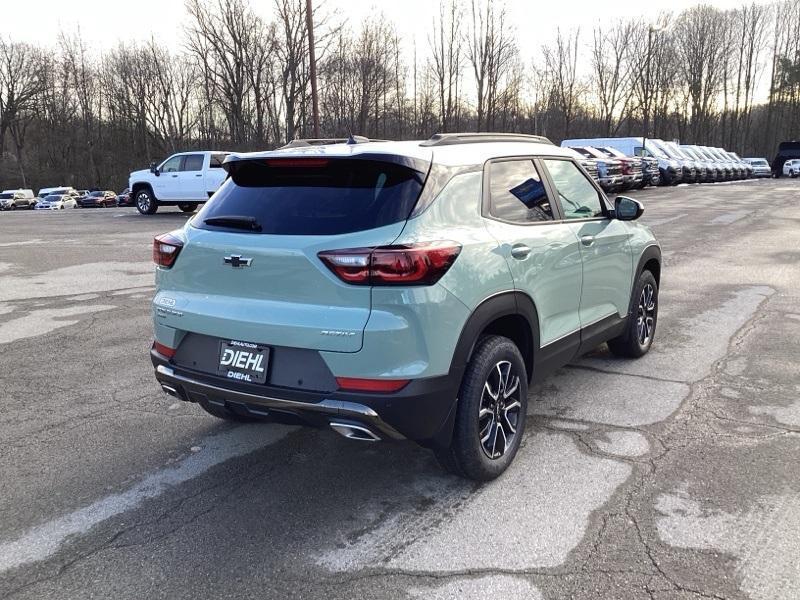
[(105, 23)]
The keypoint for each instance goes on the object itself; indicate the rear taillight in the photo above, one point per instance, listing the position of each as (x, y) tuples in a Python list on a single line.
[(165, 249), (412, 264), (164, 350), (370, 385)]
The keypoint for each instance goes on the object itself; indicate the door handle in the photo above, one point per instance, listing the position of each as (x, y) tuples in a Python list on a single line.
[(199, 175), (175, 175), (520, 251), (587, 240)]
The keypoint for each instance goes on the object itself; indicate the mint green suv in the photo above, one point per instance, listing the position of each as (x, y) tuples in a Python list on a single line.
[(400, 290)]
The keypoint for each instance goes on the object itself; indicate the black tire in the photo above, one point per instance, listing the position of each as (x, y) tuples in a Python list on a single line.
[(640, 328), (145, 201), (188, 207), (496, 362), (221, 412)]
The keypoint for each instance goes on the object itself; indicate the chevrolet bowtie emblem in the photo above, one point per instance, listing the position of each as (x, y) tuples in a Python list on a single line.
[(236, 261)]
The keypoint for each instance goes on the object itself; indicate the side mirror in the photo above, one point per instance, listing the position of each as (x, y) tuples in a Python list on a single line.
[(627, 209), (154, 169)]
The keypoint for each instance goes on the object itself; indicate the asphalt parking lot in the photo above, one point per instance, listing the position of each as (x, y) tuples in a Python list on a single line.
[(674, 476)]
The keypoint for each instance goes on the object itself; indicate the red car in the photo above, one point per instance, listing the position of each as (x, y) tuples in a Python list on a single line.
[(99, 199)]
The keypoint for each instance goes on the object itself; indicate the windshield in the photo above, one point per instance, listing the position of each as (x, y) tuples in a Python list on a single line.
[(53, 198), (655, 149), (613, 152), (313, 196), (676, 151), (6, 196), (96, 194)]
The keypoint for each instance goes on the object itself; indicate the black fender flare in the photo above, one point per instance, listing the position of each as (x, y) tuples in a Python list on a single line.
[(489, 310), (502, 304), (652, 252)]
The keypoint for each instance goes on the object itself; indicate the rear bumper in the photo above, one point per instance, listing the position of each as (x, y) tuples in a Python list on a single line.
[(421, 411)]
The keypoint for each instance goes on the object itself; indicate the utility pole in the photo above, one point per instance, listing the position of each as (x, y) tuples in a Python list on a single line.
[(313, 68)]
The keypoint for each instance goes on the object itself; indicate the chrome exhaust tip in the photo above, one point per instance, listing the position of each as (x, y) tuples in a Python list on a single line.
[(169, 390), (355, 432)]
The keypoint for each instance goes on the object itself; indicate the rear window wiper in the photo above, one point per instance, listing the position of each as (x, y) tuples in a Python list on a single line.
[(235, 222)]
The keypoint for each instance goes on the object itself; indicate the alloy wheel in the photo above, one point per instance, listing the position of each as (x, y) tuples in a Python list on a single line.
[(499, 411), (143, 201), (646, 313)]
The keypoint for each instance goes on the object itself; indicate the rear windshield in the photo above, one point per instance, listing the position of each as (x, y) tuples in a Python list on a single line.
[(318, 196)]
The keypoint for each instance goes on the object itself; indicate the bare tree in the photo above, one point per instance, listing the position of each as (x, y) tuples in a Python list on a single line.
[(492, 53), (613, 71), (20, 84), (447, 59), (565, 87)]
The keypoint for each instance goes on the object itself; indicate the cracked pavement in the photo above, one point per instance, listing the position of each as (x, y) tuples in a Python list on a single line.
[(671, 476)]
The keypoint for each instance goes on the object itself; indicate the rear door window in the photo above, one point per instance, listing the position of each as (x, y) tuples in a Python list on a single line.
[(516, 192), (192, 162), (315, 196)]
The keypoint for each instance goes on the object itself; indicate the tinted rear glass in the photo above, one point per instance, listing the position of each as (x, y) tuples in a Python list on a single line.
[(317, 196)]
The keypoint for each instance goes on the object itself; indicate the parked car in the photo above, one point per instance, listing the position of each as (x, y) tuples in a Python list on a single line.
[(99, 199), (609, 170), (723, 167), (715, 169), (14, 199), (744, 167), (687, 166), (633, 168), (125, 198), (670, 172), (760, 166), (737, 172), (186, 179), (697, 172), (61, 189), (58, 201), (708, 172), (398, 290), (791, 168)]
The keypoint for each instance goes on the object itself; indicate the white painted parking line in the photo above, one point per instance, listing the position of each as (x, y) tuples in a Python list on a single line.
[(35, 242), (730, 217), (45, 540), (657, 222)]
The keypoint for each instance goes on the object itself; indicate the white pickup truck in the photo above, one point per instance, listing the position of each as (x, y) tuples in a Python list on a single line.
[(185, 179)]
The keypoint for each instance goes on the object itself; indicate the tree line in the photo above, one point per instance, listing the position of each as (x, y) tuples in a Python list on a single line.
[(242, 82)]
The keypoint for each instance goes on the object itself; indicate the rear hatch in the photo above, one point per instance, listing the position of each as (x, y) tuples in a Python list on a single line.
[(249, 269)]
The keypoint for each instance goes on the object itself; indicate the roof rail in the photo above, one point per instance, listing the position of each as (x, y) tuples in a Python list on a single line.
[(452, 139), (353, 139)]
